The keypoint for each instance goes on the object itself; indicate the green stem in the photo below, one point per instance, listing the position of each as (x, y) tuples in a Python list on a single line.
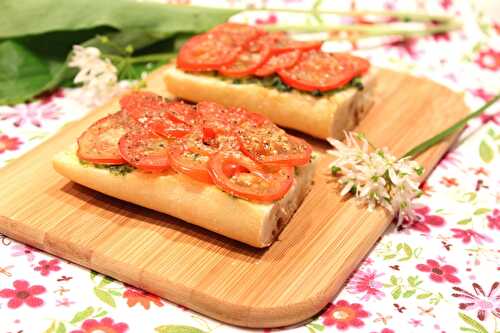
[(405, 16), (450, 130), (371, 30), (141, 59)]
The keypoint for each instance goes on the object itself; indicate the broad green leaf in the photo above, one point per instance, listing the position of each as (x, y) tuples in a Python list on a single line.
[(394, 280), (480, 211), (472, 323), (61, 328), (28, 17), (425, 295), (82, 315), (486, 152), (408, 252), (105, 297), (177, 329), (22, 72), (464, 221), (389, 256), (396, 292)]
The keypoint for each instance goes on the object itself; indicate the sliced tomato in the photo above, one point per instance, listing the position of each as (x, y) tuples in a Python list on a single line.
[(280, 42), (99, 143), (357, 64), (207, 52), (241, 33), (271, 145), (240, 176), (136, 103), (168, 128), (279, 61), (249, 59), (318, 70), (145, 150), (182, 112), (190, 163)]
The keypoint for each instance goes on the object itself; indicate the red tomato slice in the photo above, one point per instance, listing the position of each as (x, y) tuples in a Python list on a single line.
[(145, 151), (182, 112), (359, 65), (278, 61), (238, 175), (251, 58), (136, 103), (318, 70), (280, 42), (99, 143), (241, 33), (190, 163), (207, 52), (271, 145)]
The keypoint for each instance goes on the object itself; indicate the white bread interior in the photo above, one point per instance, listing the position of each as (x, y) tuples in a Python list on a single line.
[(322, 117), (175, 194)]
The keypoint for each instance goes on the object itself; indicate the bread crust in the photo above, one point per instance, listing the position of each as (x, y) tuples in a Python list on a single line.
[(176, 194), (322, 117)]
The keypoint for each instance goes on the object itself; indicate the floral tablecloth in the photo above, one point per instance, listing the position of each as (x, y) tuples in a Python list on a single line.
[(439, 275)]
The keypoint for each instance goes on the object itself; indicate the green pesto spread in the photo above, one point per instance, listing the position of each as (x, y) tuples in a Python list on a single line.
[(117, 170), (275, 82)]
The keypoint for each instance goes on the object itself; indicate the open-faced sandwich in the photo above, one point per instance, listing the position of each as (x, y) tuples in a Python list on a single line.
[(293, 83), (225, 169)]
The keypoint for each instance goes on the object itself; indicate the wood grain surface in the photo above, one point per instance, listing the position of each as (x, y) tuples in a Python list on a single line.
[(285, 284)]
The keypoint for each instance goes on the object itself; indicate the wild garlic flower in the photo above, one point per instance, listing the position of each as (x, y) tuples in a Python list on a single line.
[(375, 175), (98, 76)]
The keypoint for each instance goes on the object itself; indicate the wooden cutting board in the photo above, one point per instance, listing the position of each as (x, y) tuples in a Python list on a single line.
[(285, 284)]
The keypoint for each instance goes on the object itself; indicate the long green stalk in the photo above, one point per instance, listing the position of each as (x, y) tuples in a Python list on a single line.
[(450, 130), (371, 30), (404, 16)]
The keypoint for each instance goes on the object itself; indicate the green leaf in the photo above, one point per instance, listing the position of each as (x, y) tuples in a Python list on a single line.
[(480, 211), (486, 152), (51, 328), (177, 329), (115, 293), (84, 314), (61, 328), (317, 326), (464, 221), (472, 323), (396, 292), (101, 314), (21, 72), (466, 329), (423, 296), (105, 281), (394, 280), (412, 281), (408, 251), (409, 293), (28, 17), (93, 274), (491, 133), (105, 297), (389, 256)]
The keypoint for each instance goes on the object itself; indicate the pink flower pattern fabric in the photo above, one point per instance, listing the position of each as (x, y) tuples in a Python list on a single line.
[(440, 273)]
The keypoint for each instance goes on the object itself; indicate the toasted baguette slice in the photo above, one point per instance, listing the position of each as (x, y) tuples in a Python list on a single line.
[(176, 194), (322, 117)]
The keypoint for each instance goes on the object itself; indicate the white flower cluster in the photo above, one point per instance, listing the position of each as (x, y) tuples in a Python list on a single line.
[(375, 175), (98, 76)]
